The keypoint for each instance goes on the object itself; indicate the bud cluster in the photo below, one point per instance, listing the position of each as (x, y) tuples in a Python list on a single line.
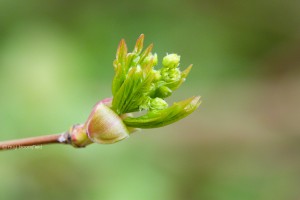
[(137, 85)]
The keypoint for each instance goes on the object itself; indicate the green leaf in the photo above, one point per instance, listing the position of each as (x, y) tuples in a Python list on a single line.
[(121, 51), (159, 118), (133, 91), (146, 52), (139, 45)]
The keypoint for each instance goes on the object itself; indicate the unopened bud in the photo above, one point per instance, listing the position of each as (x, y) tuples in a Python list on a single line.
[(157, 75), (78, 137), (170, 74), (158, 104), (163, 92), (149, 58), (105, 126), (171, 60)]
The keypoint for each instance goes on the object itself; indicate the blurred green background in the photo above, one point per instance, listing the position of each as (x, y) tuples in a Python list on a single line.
[(242, 143)]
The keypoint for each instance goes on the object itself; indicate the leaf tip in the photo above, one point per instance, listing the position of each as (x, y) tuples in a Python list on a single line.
[(139, 44), (122, 49)]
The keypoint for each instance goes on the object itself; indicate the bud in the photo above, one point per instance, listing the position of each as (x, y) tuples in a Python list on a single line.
[(157, 75), (163, 92), (171, 60), (150, 58), (78, 136), (158, 104), (105, 126), (170, 74)]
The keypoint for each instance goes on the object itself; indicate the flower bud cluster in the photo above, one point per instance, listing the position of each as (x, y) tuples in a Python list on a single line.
[(137, 85)]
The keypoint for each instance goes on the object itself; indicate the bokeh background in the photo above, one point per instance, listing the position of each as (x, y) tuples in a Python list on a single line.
[(242, 143)]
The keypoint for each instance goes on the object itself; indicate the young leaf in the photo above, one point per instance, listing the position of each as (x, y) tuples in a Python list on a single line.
[(159, 118)]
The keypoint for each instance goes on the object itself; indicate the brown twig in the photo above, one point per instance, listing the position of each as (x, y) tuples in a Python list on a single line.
[(39, 140)]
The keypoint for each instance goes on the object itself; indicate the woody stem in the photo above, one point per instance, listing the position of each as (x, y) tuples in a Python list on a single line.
[(39, 140)]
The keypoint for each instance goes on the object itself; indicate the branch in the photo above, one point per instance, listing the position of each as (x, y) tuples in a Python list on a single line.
[(39, 140), (144, 89)]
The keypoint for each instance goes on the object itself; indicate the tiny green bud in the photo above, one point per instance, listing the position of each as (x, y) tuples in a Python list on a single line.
[(158, 104), (170, 74), (157, 75), (145, 103), (163, 92), (171, 60), (150, 58), (152, 90)]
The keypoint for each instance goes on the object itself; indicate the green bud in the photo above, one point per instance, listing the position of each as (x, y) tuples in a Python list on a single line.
[(145, 103), (170, 74), (171, 60), (150, 58), (158, 104), (152, 91), (157, 75), (163, 92)]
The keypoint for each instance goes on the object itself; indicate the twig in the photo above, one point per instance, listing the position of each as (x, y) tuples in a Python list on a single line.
[(39, 140)]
